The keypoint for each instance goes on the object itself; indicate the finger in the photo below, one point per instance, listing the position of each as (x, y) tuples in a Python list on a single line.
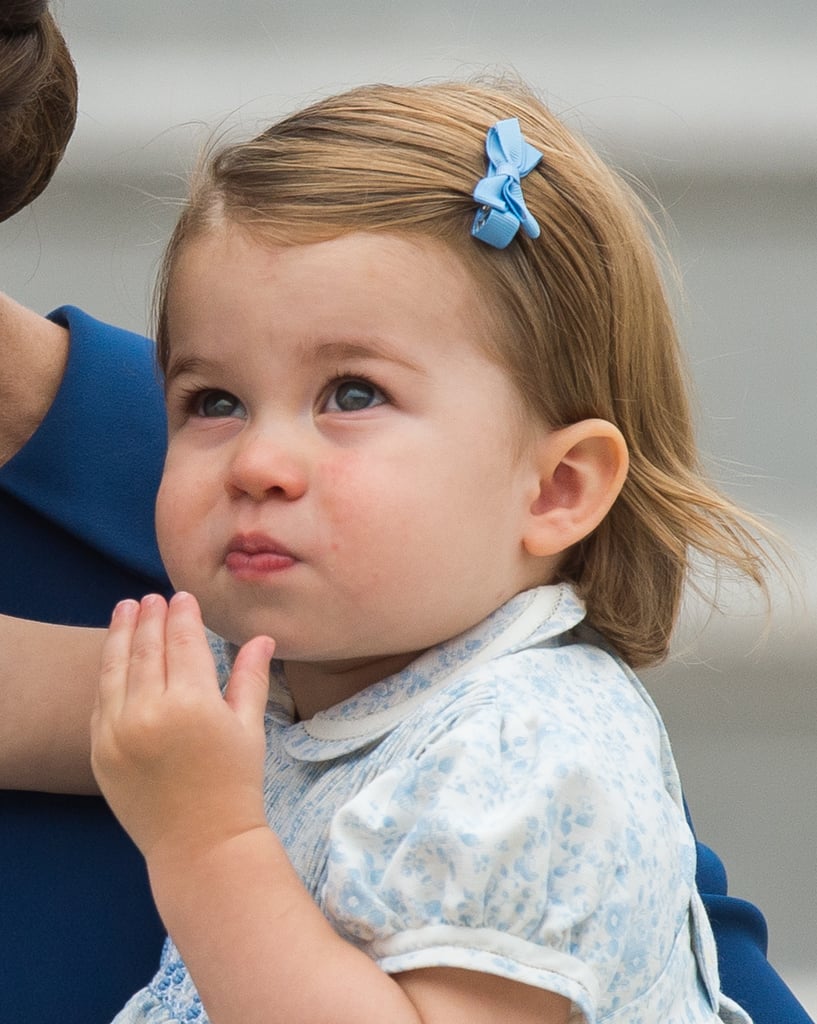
[(148, 669), (248, 689), (189, 660), (115, 658)]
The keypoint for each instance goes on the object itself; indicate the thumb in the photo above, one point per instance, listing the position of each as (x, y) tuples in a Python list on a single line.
[(248, 688)]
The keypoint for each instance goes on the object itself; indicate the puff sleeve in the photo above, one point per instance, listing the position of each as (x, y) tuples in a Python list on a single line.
[(528, 839)]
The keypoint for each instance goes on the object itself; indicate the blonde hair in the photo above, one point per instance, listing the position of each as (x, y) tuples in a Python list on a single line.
[(579, 315)]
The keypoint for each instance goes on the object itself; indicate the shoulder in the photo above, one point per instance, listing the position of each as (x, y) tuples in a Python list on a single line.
[(111, 384), (535, 730), (92, 468), (575, 692), (562, 740), (95, 345)]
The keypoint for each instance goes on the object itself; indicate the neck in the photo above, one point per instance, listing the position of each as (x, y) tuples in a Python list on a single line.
[(33, 356), (317, 686)]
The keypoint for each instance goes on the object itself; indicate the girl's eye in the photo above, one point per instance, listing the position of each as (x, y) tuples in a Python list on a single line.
[(218, 404), (353, 395)]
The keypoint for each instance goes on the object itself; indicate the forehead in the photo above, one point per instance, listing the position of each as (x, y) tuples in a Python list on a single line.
[(355, 283)]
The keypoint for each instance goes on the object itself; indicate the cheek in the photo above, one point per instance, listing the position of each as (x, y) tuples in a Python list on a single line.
[(164, 528), (366, 504), (172, 521), (357, 486)]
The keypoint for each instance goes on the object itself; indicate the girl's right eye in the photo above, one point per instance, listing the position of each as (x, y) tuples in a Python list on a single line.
[(217, 405)]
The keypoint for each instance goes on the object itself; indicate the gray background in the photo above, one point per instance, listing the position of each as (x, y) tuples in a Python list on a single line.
[(713, 106)]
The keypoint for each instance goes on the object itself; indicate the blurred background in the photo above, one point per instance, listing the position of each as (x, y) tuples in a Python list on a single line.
[(712, 106)]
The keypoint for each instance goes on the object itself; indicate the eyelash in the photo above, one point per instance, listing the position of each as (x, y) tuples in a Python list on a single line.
[(188, 400), (344, 378)]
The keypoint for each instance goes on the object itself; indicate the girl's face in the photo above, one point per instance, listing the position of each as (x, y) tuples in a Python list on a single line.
[(344, 470)]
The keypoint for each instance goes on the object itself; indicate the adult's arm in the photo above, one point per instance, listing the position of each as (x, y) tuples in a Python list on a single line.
[(78, 930), (48, 679), (81, 446)]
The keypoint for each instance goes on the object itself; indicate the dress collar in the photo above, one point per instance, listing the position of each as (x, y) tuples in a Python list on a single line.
[(531, 618)]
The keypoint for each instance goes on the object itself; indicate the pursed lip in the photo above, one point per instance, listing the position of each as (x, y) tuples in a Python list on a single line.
[(255, 555)]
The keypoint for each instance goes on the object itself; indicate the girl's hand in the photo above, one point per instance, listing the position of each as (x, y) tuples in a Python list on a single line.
[(181, 766)]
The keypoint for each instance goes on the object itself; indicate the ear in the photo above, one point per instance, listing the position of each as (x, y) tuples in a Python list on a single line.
[(581, 470)]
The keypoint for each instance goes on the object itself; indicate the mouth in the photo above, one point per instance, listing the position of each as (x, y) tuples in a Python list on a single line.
[(255, 556)]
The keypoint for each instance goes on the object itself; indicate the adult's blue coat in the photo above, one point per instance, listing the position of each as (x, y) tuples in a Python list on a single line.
[(78, 929)]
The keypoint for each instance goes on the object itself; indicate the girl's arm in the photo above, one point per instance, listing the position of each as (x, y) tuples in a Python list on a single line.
[(183, 769), (48, 682)]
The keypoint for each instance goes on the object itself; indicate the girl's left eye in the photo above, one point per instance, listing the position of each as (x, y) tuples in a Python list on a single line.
[(352, 395), (218, 404)]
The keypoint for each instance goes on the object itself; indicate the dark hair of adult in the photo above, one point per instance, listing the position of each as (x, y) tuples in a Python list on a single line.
[(38, 101)]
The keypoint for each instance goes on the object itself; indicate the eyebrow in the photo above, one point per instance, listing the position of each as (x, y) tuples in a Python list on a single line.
[(370, 349), (180, 366), (326, 352)]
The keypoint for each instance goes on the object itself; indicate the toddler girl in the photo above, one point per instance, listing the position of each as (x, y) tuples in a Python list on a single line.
[(428, 429)]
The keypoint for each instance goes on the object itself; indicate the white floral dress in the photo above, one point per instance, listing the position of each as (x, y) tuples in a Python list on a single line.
[(509, 804)]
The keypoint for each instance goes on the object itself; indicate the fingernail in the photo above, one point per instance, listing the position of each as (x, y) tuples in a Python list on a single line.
[(126, 609)]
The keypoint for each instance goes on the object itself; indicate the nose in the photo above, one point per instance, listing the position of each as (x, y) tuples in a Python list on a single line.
[(267, 464)]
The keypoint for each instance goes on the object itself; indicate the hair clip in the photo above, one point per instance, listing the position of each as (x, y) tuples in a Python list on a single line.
[(499, 193)]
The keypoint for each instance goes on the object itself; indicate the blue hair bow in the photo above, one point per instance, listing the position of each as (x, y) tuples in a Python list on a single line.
[(499, 193)]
